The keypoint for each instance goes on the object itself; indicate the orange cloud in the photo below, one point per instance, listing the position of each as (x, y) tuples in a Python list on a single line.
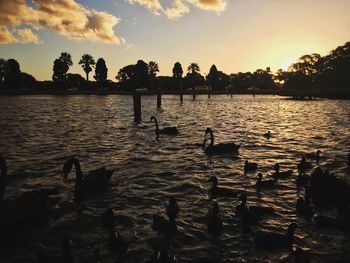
[(26, 35), (5, 36), (180, 7), (66, 17)]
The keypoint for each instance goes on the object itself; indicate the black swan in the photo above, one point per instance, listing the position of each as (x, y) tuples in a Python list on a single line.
[(221, 148), (172, 209), (166, 130), (278, 174), (250, 167), (93, 182), (217, 191), (260, 184), (314, 156), (273, 241)]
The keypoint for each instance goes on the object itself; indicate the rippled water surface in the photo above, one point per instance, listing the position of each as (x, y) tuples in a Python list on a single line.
[(38, 133)]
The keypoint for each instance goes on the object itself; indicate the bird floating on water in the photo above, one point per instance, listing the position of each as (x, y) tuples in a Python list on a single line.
[(272, 241), (166, 130), (93, 182), (267, 135), (260, 184), (314, 156), (278, 174), (250, 166), (217, 191), (217, 149)]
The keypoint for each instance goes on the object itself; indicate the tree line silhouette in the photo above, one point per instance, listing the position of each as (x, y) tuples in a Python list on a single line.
[(311, 72)]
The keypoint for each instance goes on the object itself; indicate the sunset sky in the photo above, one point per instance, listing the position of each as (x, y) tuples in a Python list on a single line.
[(235, 35)]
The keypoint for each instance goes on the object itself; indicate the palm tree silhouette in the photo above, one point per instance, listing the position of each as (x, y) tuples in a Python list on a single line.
[(193, 68), (153, 68), (86, 62)]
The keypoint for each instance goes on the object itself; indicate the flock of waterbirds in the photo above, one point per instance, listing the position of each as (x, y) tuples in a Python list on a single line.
[(320, 188)]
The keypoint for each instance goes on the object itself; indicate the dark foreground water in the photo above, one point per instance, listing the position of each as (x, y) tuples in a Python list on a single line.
[(38, 133)]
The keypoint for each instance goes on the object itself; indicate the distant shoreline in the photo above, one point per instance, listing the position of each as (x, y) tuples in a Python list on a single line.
[(294, 94)]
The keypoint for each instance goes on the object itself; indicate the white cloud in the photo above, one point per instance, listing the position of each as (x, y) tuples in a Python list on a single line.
[(66, 17), (180, 7)]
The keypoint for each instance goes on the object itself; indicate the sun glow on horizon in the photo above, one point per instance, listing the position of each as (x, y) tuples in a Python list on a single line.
[(285, 65)]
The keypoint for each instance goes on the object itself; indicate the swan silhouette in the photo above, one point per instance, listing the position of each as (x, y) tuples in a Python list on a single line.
[(221, 148), (166, 130), (92, 183)]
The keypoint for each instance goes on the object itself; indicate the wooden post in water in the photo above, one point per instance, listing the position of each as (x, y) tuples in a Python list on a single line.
[(181, 97), (137, 107), (159, 100), (193, 95)]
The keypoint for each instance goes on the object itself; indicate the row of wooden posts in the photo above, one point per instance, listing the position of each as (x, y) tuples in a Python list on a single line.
[(137, 103)]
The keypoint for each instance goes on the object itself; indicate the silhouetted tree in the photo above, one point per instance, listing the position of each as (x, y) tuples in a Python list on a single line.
[(177, 74), (12, 74), (126, 73), (58, 71), (66, 59), (101, 70), (2, 71), (177, 70), (61, 67), (213, 77), (193, 68), (75, 81), (153, 69), (27, 80), (152, 72), (141, 73), (87, 62)]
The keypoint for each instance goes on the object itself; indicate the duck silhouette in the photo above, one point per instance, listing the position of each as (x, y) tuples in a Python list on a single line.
[(267, 135), (166, 130), (273, 241), (93, 182), (278, 174), (217, 191), (264, 184), (251, 214), (303, 165), (314, 156), (218, 149), (250, 166)]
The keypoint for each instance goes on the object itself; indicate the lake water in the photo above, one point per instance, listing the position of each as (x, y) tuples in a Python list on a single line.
[(38, 133)]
